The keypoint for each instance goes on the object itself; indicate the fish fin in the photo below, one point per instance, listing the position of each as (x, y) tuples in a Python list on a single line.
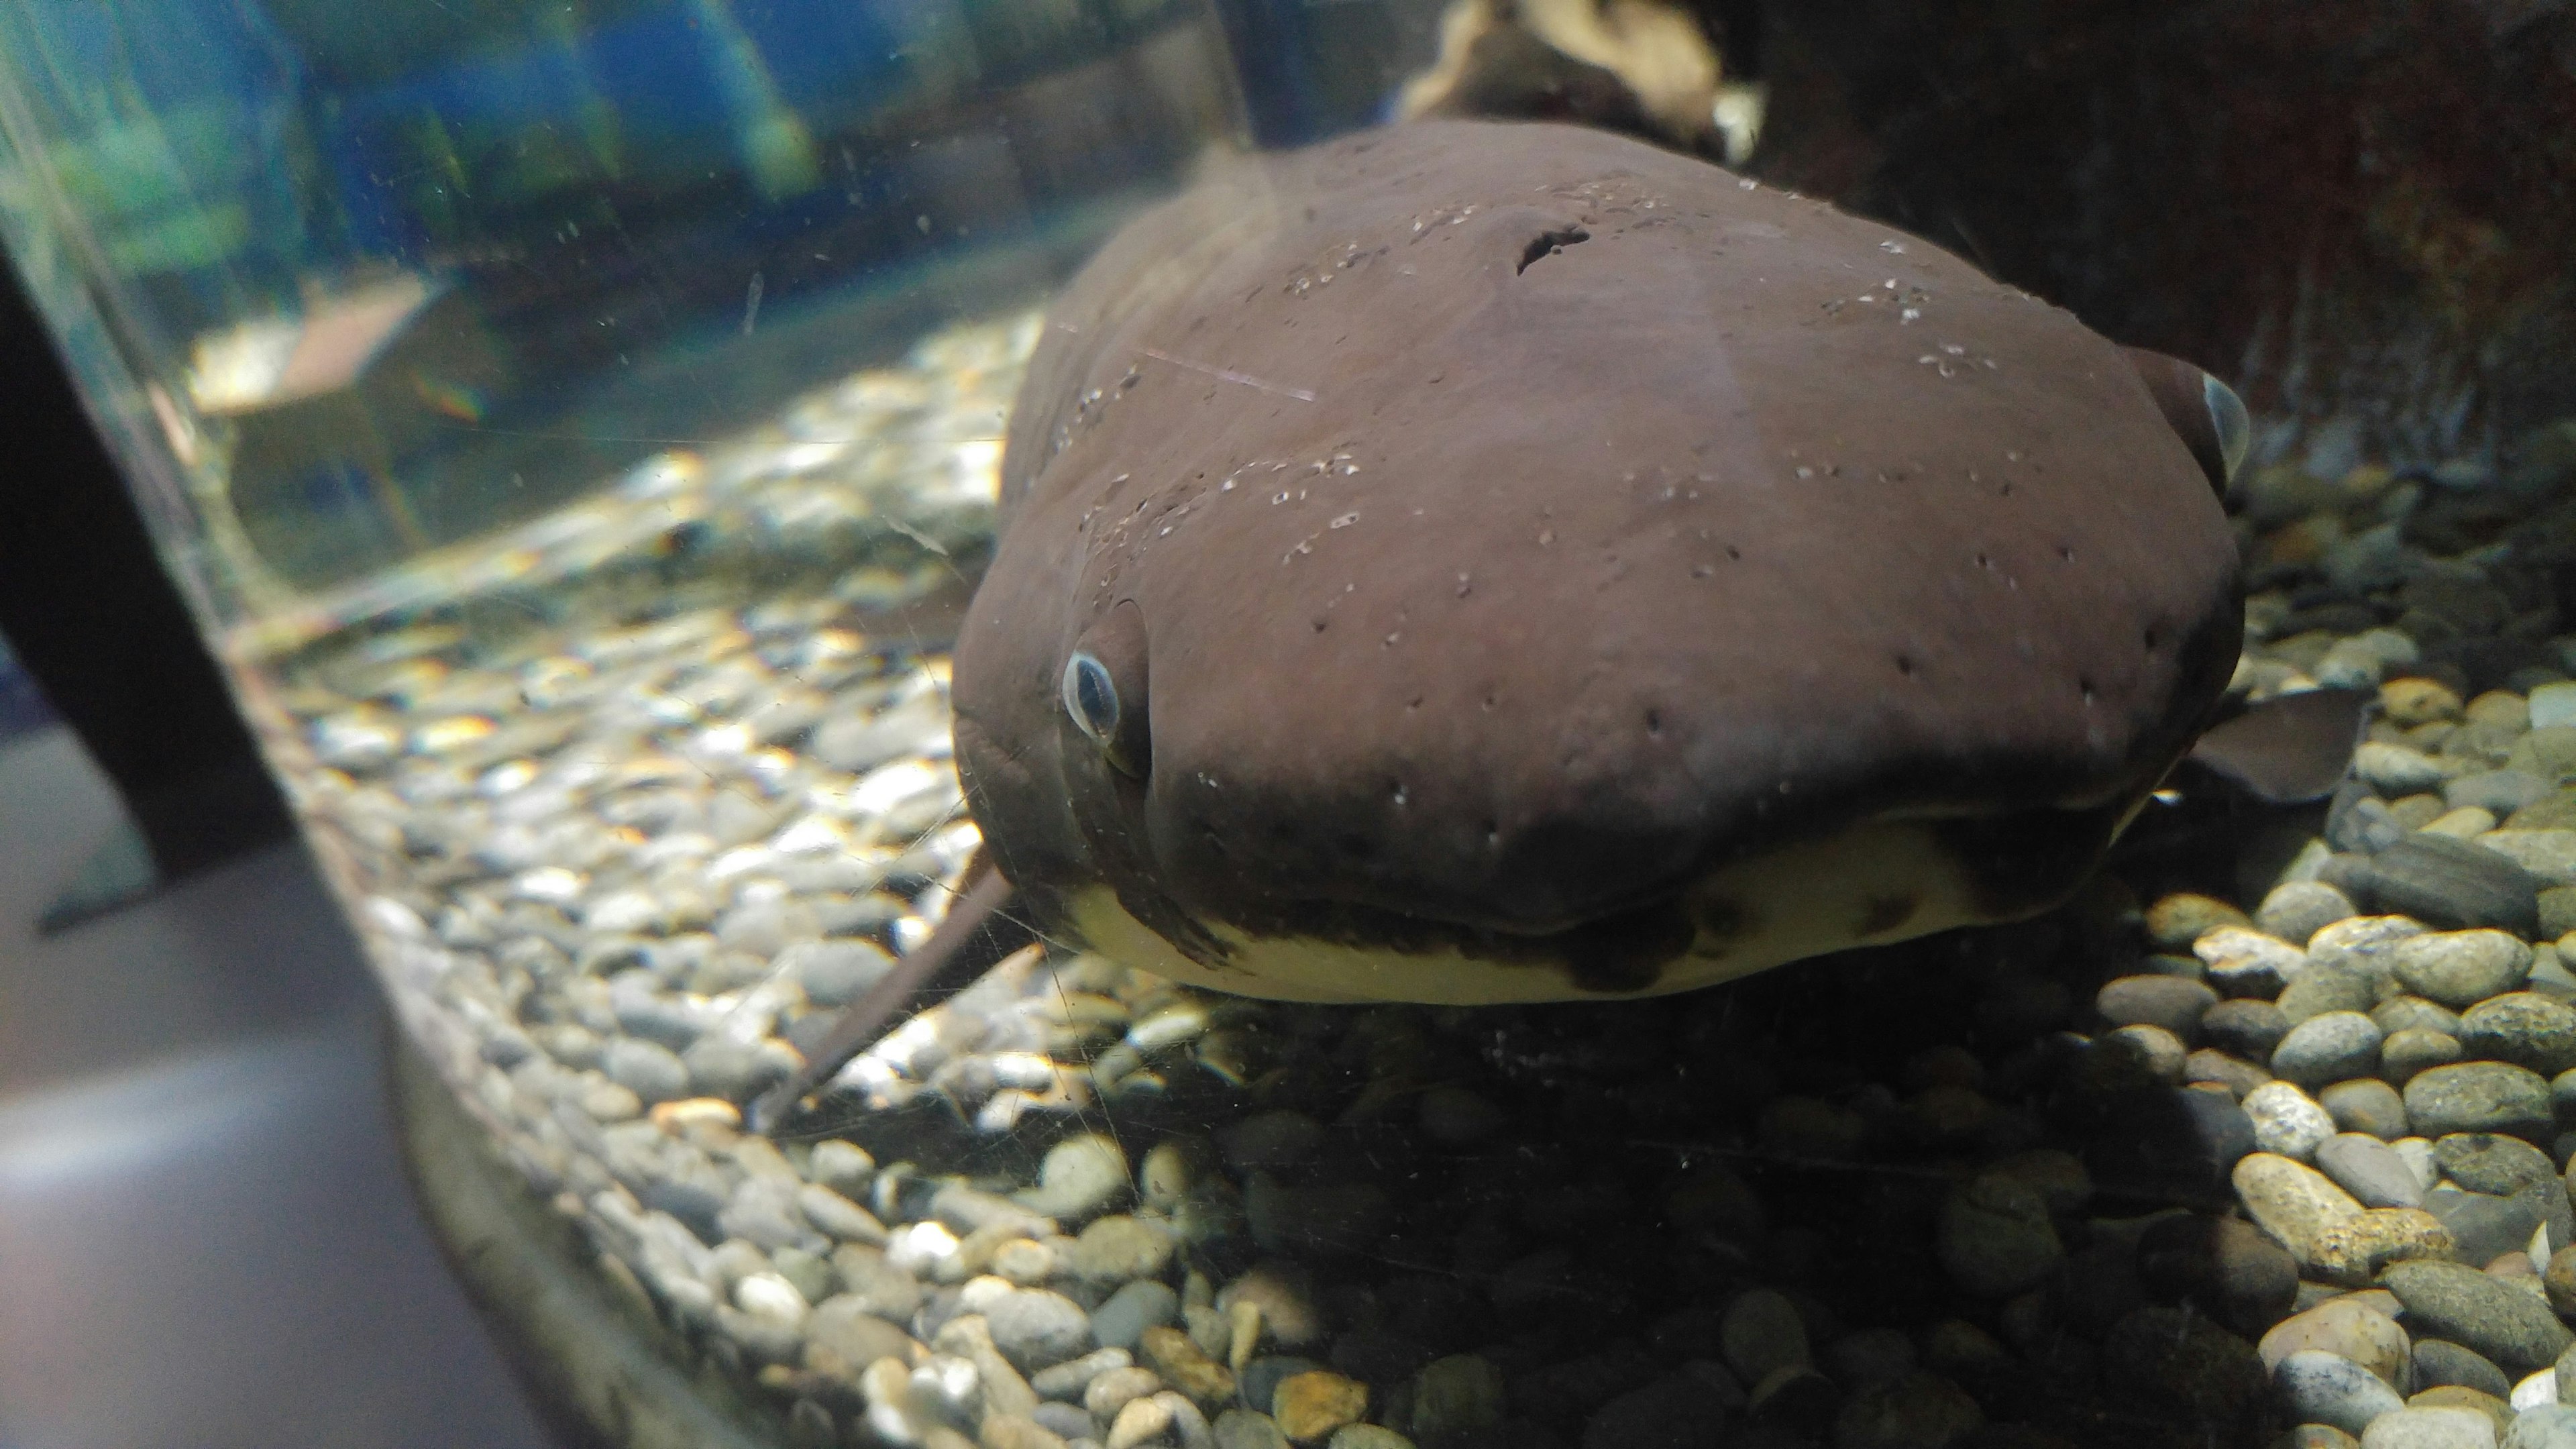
[(2205, 413), (974, 935), (2289, 749)]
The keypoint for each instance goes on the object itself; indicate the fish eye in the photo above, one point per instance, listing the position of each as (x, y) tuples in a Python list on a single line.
[(1091, 698), (2228, 419)]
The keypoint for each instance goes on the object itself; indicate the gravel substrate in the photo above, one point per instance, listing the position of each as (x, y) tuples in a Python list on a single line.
[(643, 798)]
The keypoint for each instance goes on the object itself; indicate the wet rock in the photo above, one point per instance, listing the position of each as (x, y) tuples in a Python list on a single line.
[(2177, 1144), (1118, 1248), (2548, 855), (2286, 1120), (2461, 968), (2546, 1426), (2224, 1267), (1312, 1405), (2322, 989), (2512, 1328), (1458, 1401), (2395, 770), (2245, 1028), (2291, 1201), (1082, 1175), (1920, 1410), (1677, 1410), (2403, 1013), (2329, 1047), (1035, 1328), (2347, 1327), (1761, 1333), (2431, 1428), (2217, 1067), (2454, 884), (842, 1338), (651, 1071), (1068, 1379), (2498, 792), (2483, 1225), (2174, 922), (1244, 1429), (2353, 1251), (2558, 1280), (2524, 1028), (2316, 1387), (2245, 962), (2370, 1170), (2364, 943), (1995, 1238), (2409, 1052), (1121, 1321), (2297, 910), (2173, 1003), (2479, 1097), (2179, 1365), (2490, 1163), (2367, 1106), (2439, 1361), (2497, 1412), (1185, 1366)]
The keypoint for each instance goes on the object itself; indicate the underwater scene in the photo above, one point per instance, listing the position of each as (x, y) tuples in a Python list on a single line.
[(1078, 724)]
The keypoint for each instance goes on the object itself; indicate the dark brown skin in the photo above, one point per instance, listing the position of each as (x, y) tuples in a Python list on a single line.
[(1998, 588), (1629, 525)]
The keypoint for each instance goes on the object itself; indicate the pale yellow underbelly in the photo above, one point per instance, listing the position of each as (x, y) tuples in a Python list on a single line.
[(1879, 882)]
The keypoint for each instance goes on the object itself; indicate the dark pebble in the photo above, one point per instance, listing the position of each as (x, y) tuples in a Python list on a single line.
[(2480, 1097), (2321, 989), (2170, 1145), (2181, 1366), (2489, 1162), (2524, 1028), (2245, 1029), (2513, 1328), (2454, 885), (2439, 1361), (2171, 1002), (2222, 1266), (2484, 1225), (1678, 1411)]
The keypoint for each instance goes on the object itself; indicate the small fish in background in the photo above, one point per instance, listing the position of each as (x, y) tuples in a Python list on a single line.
[(1640, 67)]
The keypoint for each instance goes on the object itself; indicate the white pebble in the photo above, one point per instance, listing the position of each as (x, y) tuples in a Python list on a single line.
[(770, 1296), (2287, 1120)]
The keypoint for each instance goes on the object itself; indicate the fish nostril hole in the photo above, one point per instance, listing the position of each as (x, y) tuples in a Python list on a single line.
[(1655, 722), (1493, 834), (1548, 244), (1733, 552), (2151, 639), (2066, 552), (2085, 687), (1905, 665), (1984, 562)]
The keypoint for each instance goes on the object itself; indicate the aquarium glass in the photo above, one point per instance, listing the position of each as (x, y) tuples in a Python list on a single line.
[(581, 432)]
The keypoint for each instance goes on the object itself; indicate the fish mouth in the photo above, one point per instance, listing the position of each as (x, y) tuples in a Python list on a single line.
[(1877, 882)]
